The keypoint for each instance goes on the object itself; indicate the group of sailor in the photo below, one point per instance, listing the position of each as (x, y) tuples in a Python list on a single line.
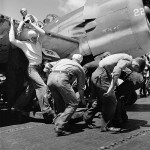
[(101, 75)]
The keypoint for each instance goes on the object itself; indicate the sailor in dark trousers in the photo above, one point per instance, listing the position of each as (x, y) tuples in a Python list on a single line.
[(105, 79), (131, 82)]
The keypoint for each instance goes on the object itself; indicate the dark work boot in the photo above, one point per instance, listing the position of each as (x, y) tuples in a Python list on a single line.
[(61, 132), (49, 115), (89, 122)]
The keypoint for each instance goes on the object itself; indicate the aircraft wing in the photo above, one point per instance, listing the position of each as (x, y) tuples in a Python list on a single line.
[(62, 45)]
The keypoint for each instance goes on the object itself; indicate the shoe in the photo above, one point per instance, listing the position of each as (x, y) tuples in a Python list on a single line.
[(104, 129), (61, 132), (91, 126), (112, 129), (49, 115), (88, 123)]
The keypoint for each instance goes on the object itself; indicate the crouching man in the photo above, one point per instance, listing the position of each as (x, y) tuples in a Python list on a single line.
[(60, 80), (105, 79), (131, 82)]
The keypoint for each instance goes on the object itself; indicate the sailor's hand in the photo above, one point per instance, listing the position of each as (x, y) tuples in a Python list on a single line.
[(11, 20), (18, 31), (108, 93), (74, 84), (27, 20)]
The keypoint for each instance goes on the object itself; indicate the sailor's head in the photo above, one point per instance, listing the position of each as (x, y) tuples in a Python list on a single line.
[(78, 58), (46, 20), (32, 36), (138, 64), (23, 11)]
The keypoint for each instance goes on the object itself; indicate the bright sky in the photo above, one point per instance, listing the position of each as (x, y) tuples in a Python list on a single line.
[(39, 8)]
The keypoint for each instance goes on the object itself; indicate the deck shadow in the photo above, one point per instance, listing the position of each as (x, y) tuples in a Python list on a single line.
[(11, 118), (133, 124), (138, 108), (8, 118), (78, 127)]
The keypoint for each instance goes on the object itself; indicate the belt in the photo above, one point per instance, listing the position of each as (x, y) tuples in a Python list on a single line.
[(60, 71), (35, 65), (64, 72)]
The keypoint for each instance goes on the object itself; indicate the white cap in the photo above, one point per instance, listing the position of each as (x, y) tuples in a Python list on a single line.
[(23, 9), (31, 34), (78, 57)]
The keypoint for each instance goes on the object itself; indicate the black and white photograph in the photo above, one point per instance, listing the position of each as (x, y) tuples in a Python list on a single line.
[(74, 74)]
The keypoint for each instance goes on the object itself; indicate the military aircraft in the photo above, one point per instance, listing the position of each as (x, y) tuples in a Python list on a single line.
[(104, 25), (99, 26)]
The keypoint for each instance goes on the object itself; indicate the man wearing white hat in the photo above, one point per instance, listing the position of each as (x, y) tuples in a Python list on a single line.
[(60, 80)]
